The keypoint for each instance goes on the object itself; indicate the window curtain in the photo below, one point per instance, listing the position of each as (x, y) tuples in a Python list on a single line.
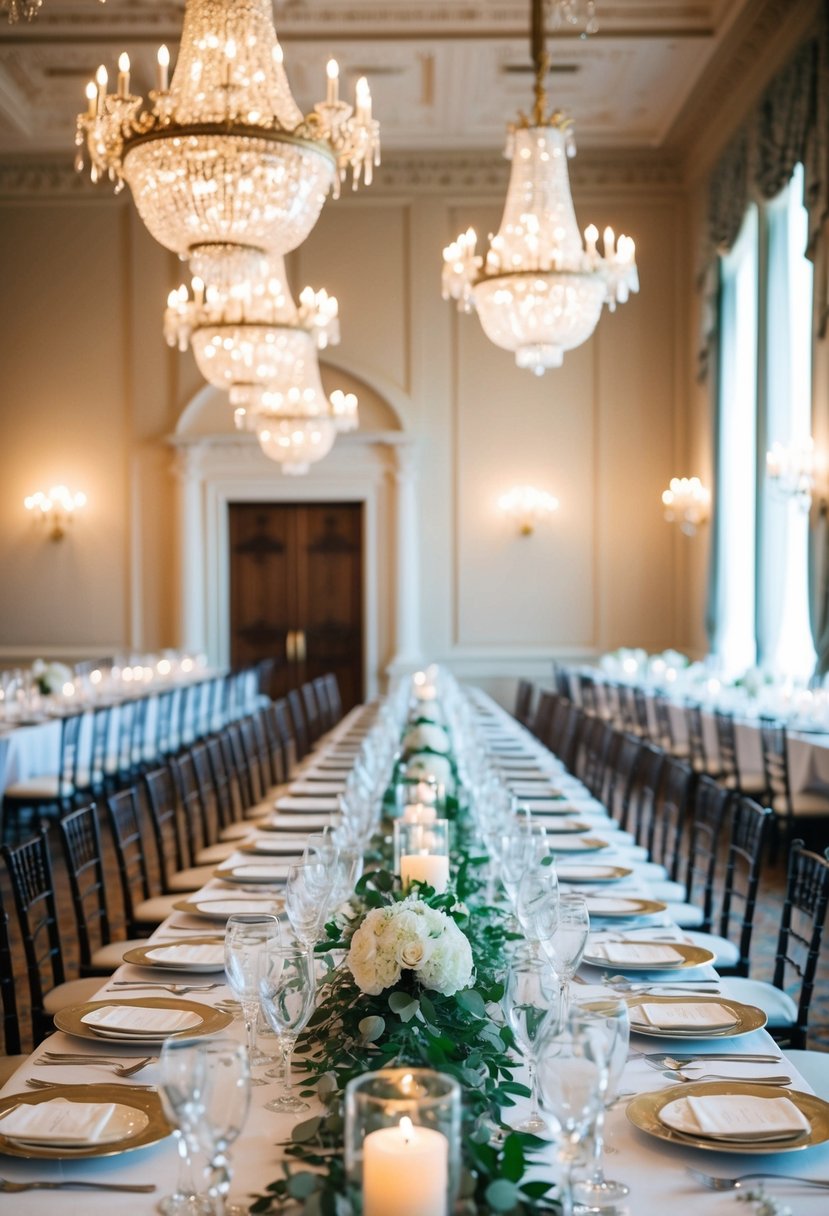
[(819, 586)]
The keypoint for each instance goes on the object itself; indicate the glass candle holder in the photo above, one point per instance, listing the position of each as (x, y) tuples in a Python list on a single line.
[(422, 841), (402, 1142), (422, 791)]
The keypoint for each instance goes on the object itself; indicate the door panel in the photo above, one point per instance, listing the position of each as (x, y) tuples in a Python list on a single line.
[(296, 580)]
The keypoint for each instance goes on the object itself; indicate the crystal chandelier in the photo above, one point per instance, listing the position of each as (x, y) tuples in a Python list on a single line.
[(538, 291), (253, 341), (223, 167)]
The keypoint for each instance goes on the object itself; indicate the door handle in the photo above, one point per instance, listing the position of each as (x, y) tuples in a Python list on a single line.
[(290, 646), (300, 646)]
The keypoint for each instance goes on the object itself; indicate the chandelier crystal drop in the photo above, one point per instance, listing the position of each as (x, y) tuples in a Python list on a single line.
[(539, 290), (223, 166)]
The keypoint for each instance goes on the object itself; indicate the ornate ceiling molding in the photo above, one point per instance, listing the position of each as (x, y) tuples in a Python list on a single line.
[(401, 174)]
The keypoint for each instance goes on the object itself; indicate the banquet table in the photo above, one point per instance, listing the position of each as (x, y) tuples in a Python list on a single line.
[(654, 1170)]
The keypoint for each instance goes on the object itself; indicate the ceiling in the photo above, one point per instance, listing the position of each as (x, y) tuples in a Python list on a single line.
[(445, 75)]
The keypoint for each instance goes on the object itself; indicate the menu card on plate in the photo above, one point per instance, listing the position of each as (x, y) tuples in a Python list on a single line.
[(57, 1122), (738, 1117), (207, 956), (679, 1015), (138, 1020), (632, 952)]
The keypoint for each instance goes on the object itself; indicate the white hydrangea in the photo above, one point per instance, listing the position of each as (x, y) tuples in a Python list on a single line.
[(414, 937), (426, 764), (51, 677), (428, 735)]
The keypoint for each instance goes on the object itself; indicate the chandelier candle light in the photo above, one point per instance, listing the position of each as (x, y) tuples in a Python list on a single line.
[(791, 471), (57, 508), (539, 291), (528, 507), (223, 166)]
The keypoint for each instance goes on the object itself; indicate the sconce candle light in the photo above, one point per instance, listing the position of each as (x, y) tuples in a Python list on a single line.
[(792, 471), (528, 507), (686, 502), (56, 509)]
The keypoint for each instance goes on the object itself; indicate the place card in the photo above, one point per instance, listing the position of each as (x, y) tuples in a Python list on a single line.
[(58, 1121), (679, 1015)]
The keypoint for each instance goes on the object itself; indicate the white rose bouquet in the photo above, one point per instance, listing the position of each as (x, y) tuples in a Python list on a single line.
[(410, 936), (428, 736), (51, 677), (427, 764)]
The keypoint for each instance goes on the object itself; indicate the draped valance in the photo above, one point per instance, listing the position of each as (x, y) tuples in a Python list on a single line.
[(789, 125)]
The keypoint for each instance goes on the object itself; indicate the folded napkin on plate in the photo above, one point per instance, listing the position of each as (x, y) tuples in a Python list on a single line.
[(139, 1019), (275, 871), (571, 873), (306, 804), (185, 953), (290, 847), (285, 822), (682, 1015), (747, 1117), (57, 1121), (632, 952), (596, 906), (574, 844), (230, 907), (314, 788)]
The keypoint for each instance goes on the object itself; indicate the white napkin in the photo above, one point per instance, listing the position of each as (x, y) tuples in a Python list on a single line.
[(290, 823), (597, 906), (745, 1117), (292, 847), (632, 952), (571, 873), (306, 804), (681, 1015), (138, 1019), (204, 955), (256, 871), (57, 1121), (229, 907), (546, 804), (317, 788), (574, 844)]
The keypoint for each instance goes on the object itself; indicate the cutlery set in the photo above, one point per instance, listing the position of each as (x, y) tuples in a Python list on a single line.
[(120, 1065)]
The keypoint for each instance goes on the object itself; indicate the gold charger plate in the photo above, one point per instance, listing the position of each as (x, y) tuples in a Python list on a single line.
[(140, 955), (588, 844), (643, 1112), (272, 848), (272, 905), (749, 1017), (145, 1100), (609, 873), (636, 907), (235, 876), (692, 956), (70, 1020)]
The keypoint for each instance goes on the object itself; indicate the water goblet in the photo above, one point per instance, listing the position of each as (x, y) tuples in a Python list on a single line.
[(565, 947), (611, 1018), (287, 986), (307, 889), (181, 1088), (246, 935), (572, 1075), (530, 1002), (537, 904)]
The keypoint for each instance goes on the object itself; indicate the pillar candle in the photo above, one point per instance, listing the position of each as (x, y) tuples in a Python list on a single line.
[(425, 867), (405, 1171)]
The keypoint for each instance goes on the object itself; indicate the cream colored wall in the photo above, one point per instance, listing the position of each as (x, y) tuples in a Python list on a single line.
[(93, 406)]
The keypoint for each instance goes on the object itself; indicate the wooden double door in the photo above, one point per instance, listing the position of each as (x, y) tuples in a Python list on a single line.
[(296, 592)]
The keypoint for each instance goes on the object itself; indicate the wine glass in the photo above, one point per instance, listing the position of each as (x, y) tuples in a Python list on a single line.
[(246, 935), (530, 1002), (181, 1087), (307, 889), (537, 904), (565, 947), (287, 987), (612, 1018), (572, 1076)]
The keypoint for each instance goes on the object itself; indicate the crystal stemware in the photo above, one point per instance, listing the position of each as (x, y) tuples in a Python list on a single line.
[(537, 904), (565, 947), (530, 1003), (246, 935), (287, 988), (611, 1017), (181, 1087), (307, 890)]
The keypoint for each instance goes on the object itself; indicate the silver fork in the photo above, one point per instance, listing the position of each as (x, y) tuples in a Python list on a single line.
[(176, 989), (40, 1083), (736, 1184), (120, 1070), (782, 1079), (13, 1188)]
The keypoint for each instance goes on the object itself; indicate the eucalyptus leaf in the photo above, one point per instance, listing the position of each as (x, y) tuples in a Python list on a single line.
[(371, 1028), (503, 1195), (306, 1130)]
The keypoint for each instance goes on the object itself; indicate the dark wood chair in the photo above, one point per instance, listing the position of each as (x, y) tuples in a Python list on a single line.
[(284, 726), (196, 808), (697, 751), (327, 720), (28, 802), (30, 874), (80, 837), (751, 784), (174, 828), (297, 712), (312, 713), (617, 783), (798, 951), (788, 806), (524, 698), (12, 1057), (144, 907)]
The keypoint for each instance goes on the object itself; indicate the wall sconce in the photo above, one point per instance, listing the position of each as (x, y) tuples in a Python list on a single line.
[(528, 507), (56, 509), (687, 503), (791, 470)]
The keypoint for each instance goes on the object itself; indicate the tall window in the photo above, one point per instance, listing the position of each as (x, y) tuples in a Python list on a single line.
[(765, 396)]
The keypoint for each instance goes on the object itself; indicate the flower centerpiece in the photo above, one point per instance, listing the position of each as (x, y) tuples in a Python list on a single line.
[(50, 677), (410, 936)]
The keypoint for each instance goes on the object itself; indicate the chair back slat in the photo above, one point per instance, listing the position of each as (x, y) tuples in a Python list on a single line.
[(30, 873), (709, 809), (124, 815), (748, 839), (801, 931), (81, 843)]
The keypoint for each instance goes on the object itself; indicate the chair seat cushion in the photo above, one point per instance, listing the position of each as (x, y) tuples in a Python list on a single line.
[(111, 956), (73, 992), (237, 831), (192, 879), (802, 804), (778, 1006), (153, 911), (671, 892), (687, 916), (726, 954), (214, 853), (45, 788)]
